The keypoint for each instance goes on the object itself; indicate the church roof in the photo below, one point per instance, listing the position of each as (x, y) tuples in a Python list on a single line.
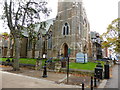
[(37, 28)]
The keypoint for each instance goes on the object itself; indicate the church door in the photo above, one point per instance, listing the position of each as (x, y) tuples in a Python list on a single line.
[(65, 50)]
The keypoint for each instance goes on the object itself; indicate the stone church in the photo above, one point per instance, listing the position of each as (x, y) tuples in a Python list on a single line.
[(70, 30)]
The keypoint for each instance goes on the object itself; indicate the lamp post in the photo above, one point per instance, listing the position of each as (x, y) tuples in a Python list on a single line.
[(44, 54), (46, 37), (44, 71), (68, 65)]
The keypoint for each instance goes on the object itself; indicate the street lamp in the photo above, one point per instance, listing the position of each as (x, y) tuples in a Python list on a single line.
[(45, 37), (44, 55), (44, 71)]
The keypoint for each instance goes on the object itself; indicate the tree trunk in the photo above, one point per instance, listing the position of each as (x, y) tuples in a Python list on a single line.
[(17, 54)]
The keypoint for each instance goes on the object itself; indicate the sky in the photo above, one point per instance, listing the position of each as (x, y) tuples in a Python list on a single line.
[(100, 13)]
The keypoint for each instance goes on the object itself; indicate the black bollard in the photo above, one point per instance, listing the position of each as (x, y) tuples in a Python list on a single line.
[(91, 83), (44, 71), (95, 84), (107, 71), (82, 86), (98, 77)]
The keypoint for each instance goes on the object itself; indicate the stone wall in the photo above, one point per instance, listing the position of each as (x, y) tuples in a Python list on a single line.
[(29, 54)]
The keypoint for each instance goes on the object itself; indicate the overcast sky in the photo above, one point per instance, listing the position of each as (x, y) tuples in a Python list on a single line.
[(100, 13)]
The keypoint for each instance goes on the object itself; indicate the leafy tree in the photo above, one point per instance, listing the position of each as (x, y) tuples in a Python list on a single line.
[(19, 14), (5, 35), (112, 37)]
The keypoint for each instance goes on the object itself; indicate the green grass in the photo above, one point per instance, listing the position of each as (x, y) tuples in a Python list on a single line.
[(27, 61), (86, 66), (24, 60), (3, 59)]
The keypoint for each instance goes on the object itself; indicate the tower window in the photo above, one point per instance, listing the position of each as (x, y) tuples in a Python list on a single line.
[(67, 32), (66, 29)]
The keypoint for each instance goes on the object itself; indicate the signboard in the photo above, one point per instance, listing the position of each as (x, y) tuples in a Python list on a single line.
[(81, 58), (69, 51)]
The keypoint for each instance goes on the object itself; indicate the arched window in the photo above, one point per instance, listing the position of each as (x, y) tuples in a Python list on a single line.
[(66, 29), (50, 40), (39, 41)]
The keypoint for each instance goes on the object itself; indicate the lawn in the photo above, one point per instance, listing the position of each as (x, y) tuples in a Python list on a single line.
[(86, 66), (24, 60), (73, 65)]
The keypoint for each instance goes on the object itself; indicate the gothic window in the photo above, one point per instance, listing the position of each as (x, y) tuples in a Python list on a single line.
[(50, 40), (67, 32), (39, 42), (66, 29), (29, 44)]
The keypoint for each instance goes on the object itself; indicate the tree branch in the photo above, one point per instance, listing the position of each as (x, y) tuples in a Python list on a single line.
[(10, 14)]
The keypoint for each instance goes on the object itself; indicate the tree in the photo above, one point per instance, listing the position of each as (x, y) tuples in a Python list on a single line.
[(19, 14), (112, 37)]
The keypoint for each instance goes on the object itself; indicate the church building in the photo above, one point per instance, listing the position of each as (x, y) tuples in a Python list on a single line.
[(70, 30)]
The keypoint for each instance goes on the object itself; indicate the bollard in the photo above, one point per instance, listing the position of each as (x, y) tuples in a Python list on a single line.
[(107, 71), (98, 77), (91, 83), (44, 71), (82, 86), (95, 84)]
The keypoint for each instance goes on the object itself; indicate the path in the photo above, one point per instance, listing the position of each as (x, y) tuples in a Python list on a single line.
[(11, 80), (113, 81)]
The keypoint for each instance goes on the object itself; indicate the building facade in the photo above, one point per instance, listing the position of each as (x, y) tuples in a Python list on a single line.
[(96, 46), (70, 30)]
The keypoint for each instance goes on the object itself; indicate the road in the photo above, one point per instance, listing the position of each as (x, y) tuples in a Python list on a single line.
[(113, 81), (11, 80)]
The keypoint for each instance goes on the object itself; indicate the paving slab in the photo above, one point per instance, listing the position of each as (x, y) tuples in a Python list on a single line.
[(12, 80)]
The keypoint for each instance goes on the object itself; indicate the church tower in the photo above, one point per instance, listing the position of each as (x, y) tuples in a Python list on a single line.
[(70, 29)]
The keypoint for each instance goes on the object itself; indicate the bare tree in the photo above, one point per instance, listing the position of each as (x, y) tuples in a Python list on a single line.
[(20, 14)]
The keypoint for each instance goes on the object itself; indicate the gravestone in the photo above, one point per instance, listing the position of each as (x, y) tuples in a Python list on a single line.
[(81, 58)]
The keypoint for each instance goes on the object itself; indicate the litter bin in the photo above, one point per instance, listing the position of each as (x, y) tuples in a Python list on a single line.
[(99, 65), (99, 72)]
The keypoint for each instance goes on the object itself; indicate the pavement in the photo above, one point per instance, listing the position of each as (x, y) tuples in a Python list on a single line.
[(113, 81), (33, 79), (12, 80), (26, 78)]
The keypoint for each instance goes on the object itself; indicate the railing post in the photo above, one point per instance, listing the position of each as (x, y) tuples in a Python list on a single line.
[(82, 86), (98, 77), (91, 83), (95, 84)]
